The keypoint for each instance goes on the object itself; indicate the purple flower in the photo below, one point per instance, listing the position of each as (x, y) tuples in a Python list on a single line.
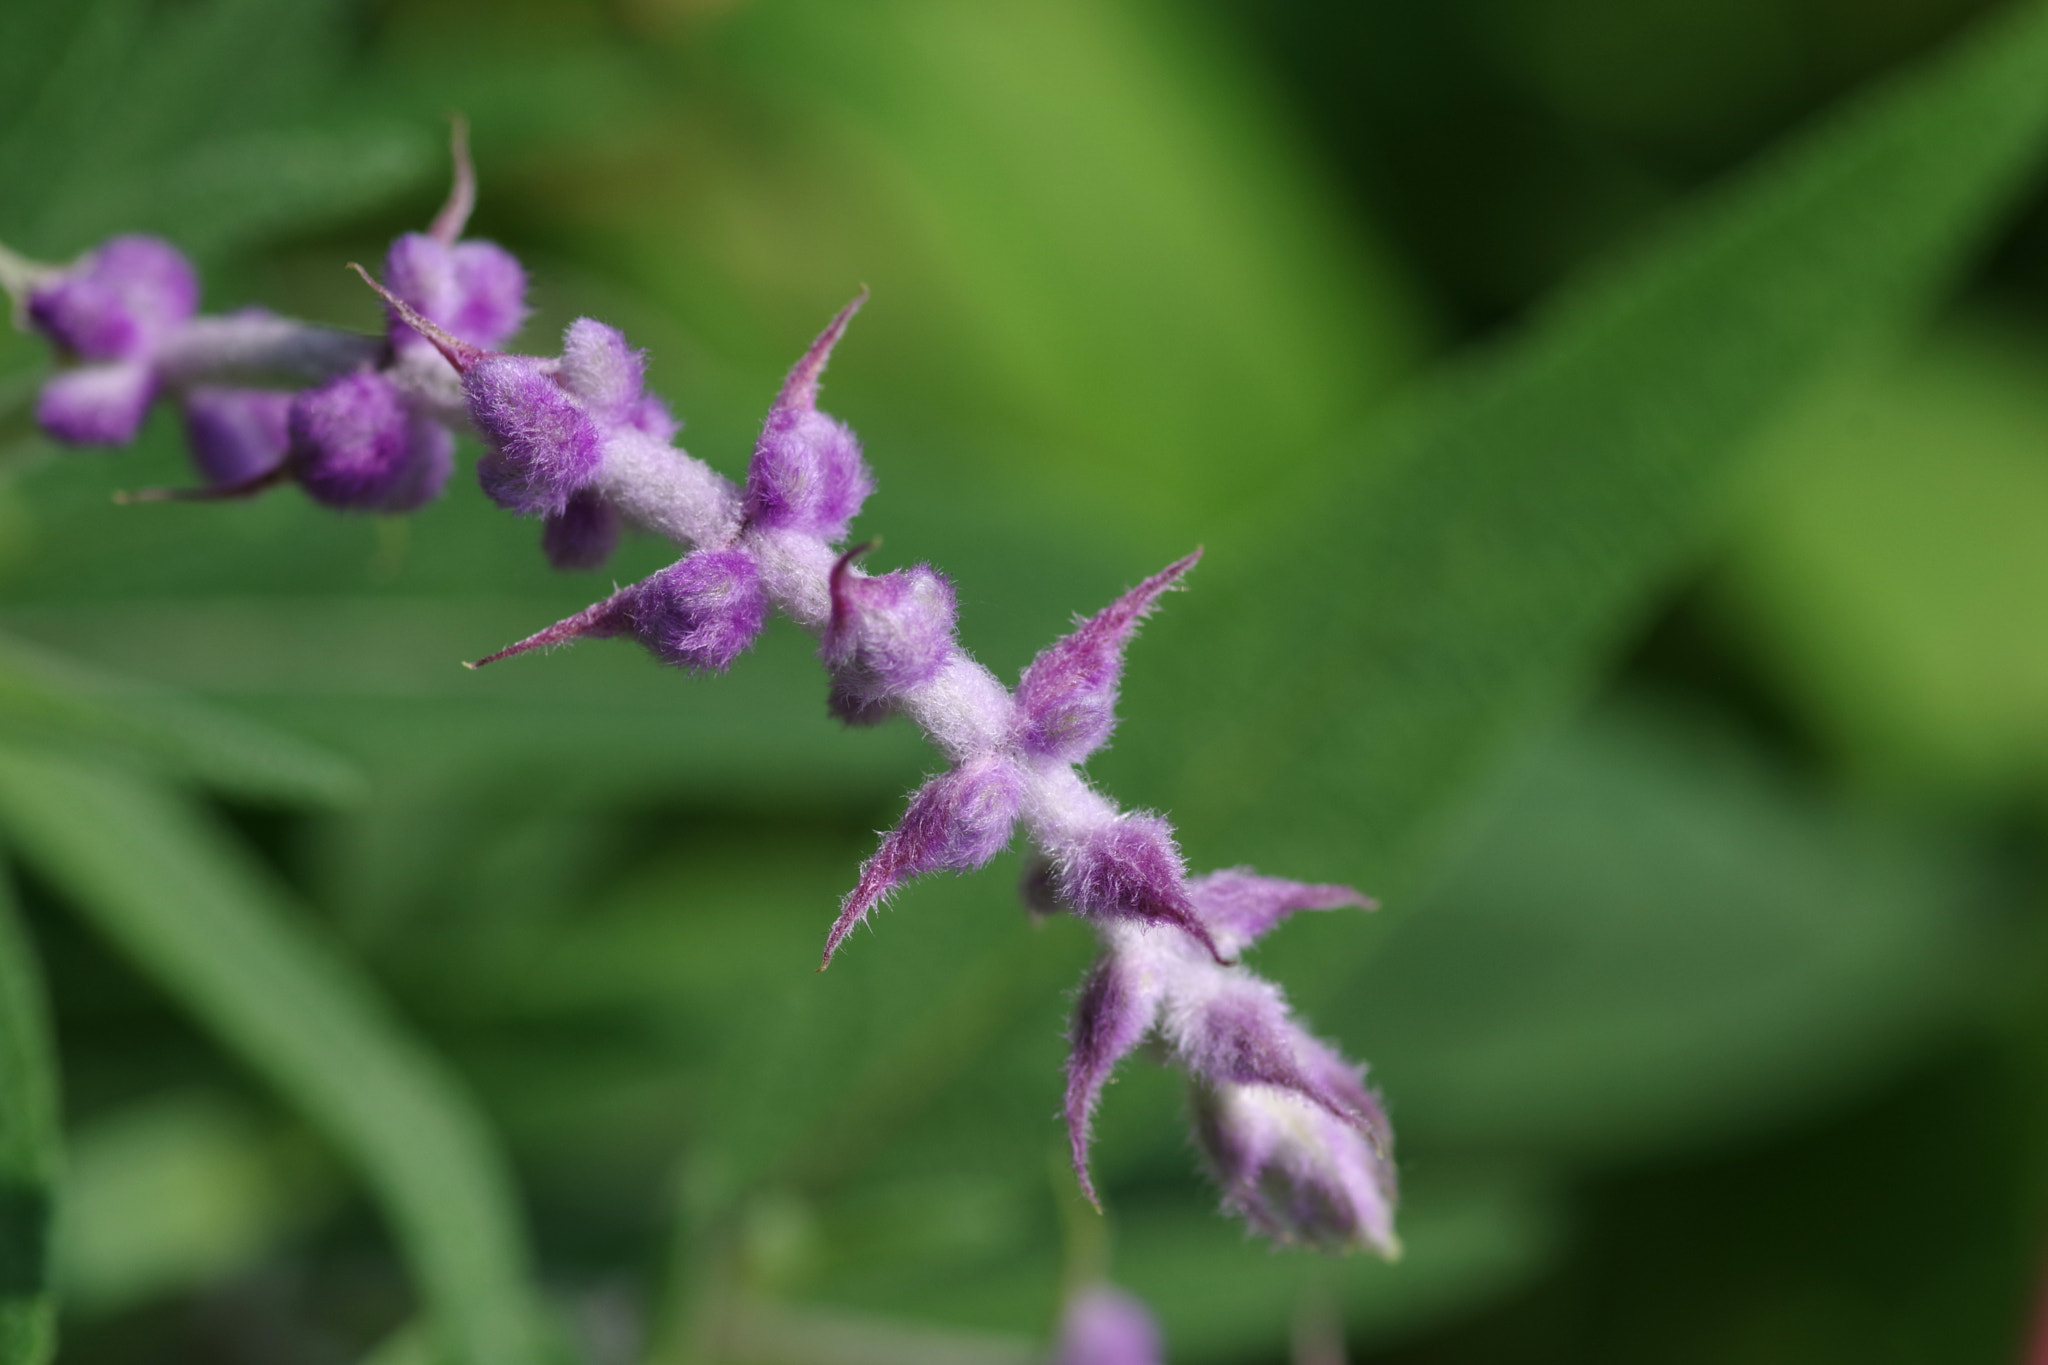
[(582, 534), (474, 290), (1103, 1325), (237, 435), (542, 445), (959, 819), (807, 473), (96, 405), (1296, 1172), (702, 611), (119, 302), (113, 309), (1066, 700), (355, 445), (1232, 1033), (885, 636)]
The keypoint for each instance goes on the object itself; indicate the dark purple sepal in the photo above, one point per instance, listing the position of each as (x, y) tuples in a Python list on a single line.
[(1130, 869), (583, 534), (1117, 1006), (1241, 1034), (355, 445), (119, 302), (474, 290), (1102, 1325), (1240, 906), (236, 435), (1066, 699), (541, 446), (702, 611), (807, 473), (96, 405), (959, 819), (885, 636)]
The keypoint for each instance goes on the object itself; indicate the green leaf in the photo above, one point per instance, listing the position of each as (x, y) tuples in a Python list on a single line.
[(30, 1150), (1655, 941), (185, 904), (1890, 564), (50, 701), (171, 1194), (1404, 625)]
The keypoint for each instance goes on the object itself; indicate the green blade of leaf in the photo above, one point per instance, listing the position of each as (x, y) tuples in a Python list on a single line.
[(51, 701), (1421, 614), (30, 1150), (178, 898)]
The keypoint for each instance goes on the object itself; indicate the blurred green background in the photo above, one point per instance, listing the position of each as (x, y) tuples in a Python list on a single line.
[(1619, 429)]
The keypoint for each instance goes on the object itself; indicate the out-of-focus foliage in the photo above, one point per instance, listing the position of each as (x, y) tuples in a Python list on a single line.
[(30, 1151), (1674, 658)]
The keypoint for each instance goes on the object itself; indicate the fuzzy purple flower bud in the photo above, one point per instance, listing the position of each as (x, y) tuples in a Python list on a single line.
[(1105, 1326), (354, 444), (237, 434), (1066, 699), (702, 611), (119, 302), (583, 534), (886, 636), (959, 820), (807, 473), (1130, 869), (1295, 1171), (96, 405), (474, 290), (543, 446)]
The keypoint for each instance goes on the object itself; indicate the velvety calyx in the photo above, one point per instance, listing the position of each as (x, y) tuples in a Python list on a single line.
[(702, 611), (354, 444), (542, 445), (118, 302)]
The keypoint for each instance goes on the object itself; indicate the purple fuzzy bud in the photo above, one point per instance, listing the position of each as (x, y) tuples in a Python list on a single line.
[(1296, 1172), (543, 447), (119, 302), (807, 473), (583, 534), (959, 819), (1239, 906), (354, 444), (886, 635), (651, 416), (602, 372), (1105, 1326), (702, 611), (1129, 868), (474, 290), (1067, 697), (1117, 1007), (237, 434), (96, 405)]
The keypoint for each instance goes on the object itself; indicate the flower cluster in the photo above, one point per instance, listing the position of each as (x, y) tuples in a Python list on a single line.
[(1298, 1144)]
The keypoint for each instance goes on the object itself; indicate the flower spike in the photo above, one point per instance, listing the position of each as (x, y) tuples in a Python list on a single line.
[(1296, 1141)]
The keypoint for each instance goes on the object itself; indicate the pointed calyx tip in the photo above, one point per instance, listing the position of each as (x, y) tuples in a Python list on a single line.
[(454, 215), (463, 356)]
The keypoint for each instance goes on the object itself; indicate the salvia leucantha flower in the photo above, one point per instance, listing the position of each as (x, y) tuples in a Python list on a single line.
[(1103, 1325), (1297, 1142)]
